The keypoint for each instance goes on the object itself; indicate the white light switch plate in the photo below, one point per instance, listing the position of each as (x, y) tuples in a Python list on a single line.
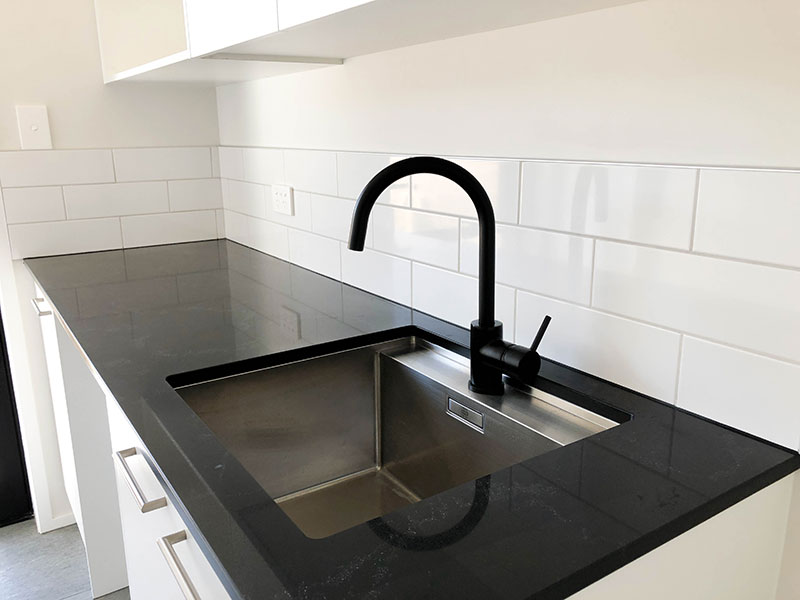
[(34, 128), (283, 199)]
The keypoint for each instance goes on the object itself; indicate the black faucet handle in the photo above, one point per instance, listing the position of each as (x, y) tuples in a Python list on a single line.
[(540, 334), (518, 362)]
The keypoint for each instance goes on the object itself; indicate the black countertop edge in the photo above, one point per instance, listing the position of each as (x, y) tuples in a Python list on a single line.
[(142, 330)]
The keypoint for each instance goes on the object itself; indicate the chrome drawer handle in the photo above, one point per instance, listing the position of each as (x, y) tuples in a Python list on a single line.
[(167, 546), (39, 311), (144, 504)]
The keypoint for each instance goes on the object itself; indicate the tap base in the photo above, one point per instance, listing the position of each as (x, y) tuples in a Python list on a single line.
[(484, 379)]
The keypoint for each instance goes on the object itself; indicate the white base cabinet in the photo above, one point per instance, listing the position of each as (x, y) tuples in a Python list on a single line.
[(163, 559), (735, 555), (85, 448)]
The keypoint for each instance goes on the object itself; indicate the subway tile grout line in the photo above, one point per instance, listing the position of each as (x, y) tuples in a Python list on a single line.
[(518, 220), (115, 183), (64, 203), (127, 215), (591, 273), (678, 370), (458, 262), (515, 313), (612, 163), (114, 165), (521, 159), (695, 209)]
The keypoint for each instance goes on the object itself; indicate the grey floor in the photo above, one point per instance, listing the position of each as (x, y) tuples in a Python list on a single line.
[(45, 567)]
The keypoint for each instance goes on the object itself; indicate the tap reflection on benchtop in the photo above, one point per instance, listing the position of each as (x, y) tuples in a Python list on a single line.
[(548, 526)]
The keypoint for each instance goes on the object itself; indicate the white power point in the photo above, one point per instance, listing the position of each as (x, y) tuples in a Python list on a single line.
[(283, 199)]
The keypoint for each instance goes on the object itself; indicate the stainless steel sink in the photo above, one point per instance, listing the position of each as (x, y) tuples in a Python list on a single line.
[(343, 438)]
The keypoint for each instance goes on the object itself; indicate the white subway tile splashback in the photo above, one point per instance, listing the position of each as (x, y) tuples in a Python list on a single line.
[(169, 228), (331, 216), (315, 252), (195, 194), (115, 199), (64, 237), (55, 167), (454, 298), (245, 198), (745, 305), (29, 205), (267, 237), (263, 165), (231, 163), (311, 171), (753, 215), (215, 162), (651, 205), (381, 274), (355, 169), (220, 223), (740, 389), (237, 228), (424, 237), (631, 354), (554, 264), (500, 179), (148, 164)]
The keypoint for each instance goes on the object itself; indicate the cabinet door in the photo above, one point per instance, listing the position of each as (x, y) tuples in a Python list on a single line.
[(214, 25), (60, 414), (295, 12), (97, 506), (163, 559)]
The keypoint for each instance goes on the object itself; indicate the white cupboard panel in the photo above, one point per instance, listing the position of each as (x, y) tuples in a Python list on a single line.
[(295, 12), (214, 25)]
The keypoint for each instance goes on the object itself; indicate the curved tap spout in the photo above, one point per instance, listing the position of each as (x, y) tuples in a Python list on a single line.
[(461, 177), (490, 356)]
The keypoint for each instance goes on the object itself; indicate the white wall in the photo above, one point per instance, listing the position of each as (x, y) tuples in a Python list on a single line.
[(51, 56), (663, 272), (710, 82)]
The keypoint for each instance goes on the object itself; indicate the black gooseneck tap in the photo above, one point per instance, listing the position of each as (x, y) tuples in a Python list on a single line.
[(491, 357)]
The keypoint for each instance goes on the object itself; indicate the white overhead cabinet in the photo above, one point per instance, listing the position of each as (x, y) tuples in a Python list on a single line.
[(296, 12), (212, 24), (216, 42)]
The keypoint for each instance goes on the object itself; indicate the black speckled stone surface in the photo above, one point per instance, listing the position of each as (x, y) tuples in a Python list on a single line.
[(552, 524)]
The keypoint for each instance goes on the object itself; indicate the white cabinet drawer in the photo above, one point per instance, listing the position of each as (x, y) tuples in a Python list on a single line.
[(163, 559)]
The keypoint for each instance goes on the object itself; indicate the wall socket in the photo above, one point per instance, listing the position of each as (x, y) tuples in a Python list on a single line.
[(283, 199)]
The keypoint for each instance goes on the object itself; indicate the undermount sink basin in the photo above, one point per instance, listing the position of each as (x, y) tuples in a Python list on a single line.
[(343, 438)]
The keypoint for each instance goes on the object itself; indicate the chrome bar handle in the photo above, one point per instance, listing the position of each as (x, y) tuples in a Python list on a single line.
[(144, 504), (167, 547), (39, 311)]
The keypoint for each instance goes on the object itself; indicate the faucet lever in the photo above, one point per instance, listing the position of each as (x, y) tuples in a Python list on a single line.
[(540, 334), (518, 362)]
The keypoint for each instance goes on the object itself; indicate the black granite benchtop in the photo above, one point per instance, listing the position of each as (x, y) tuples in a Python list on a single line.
[(553, 524)]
